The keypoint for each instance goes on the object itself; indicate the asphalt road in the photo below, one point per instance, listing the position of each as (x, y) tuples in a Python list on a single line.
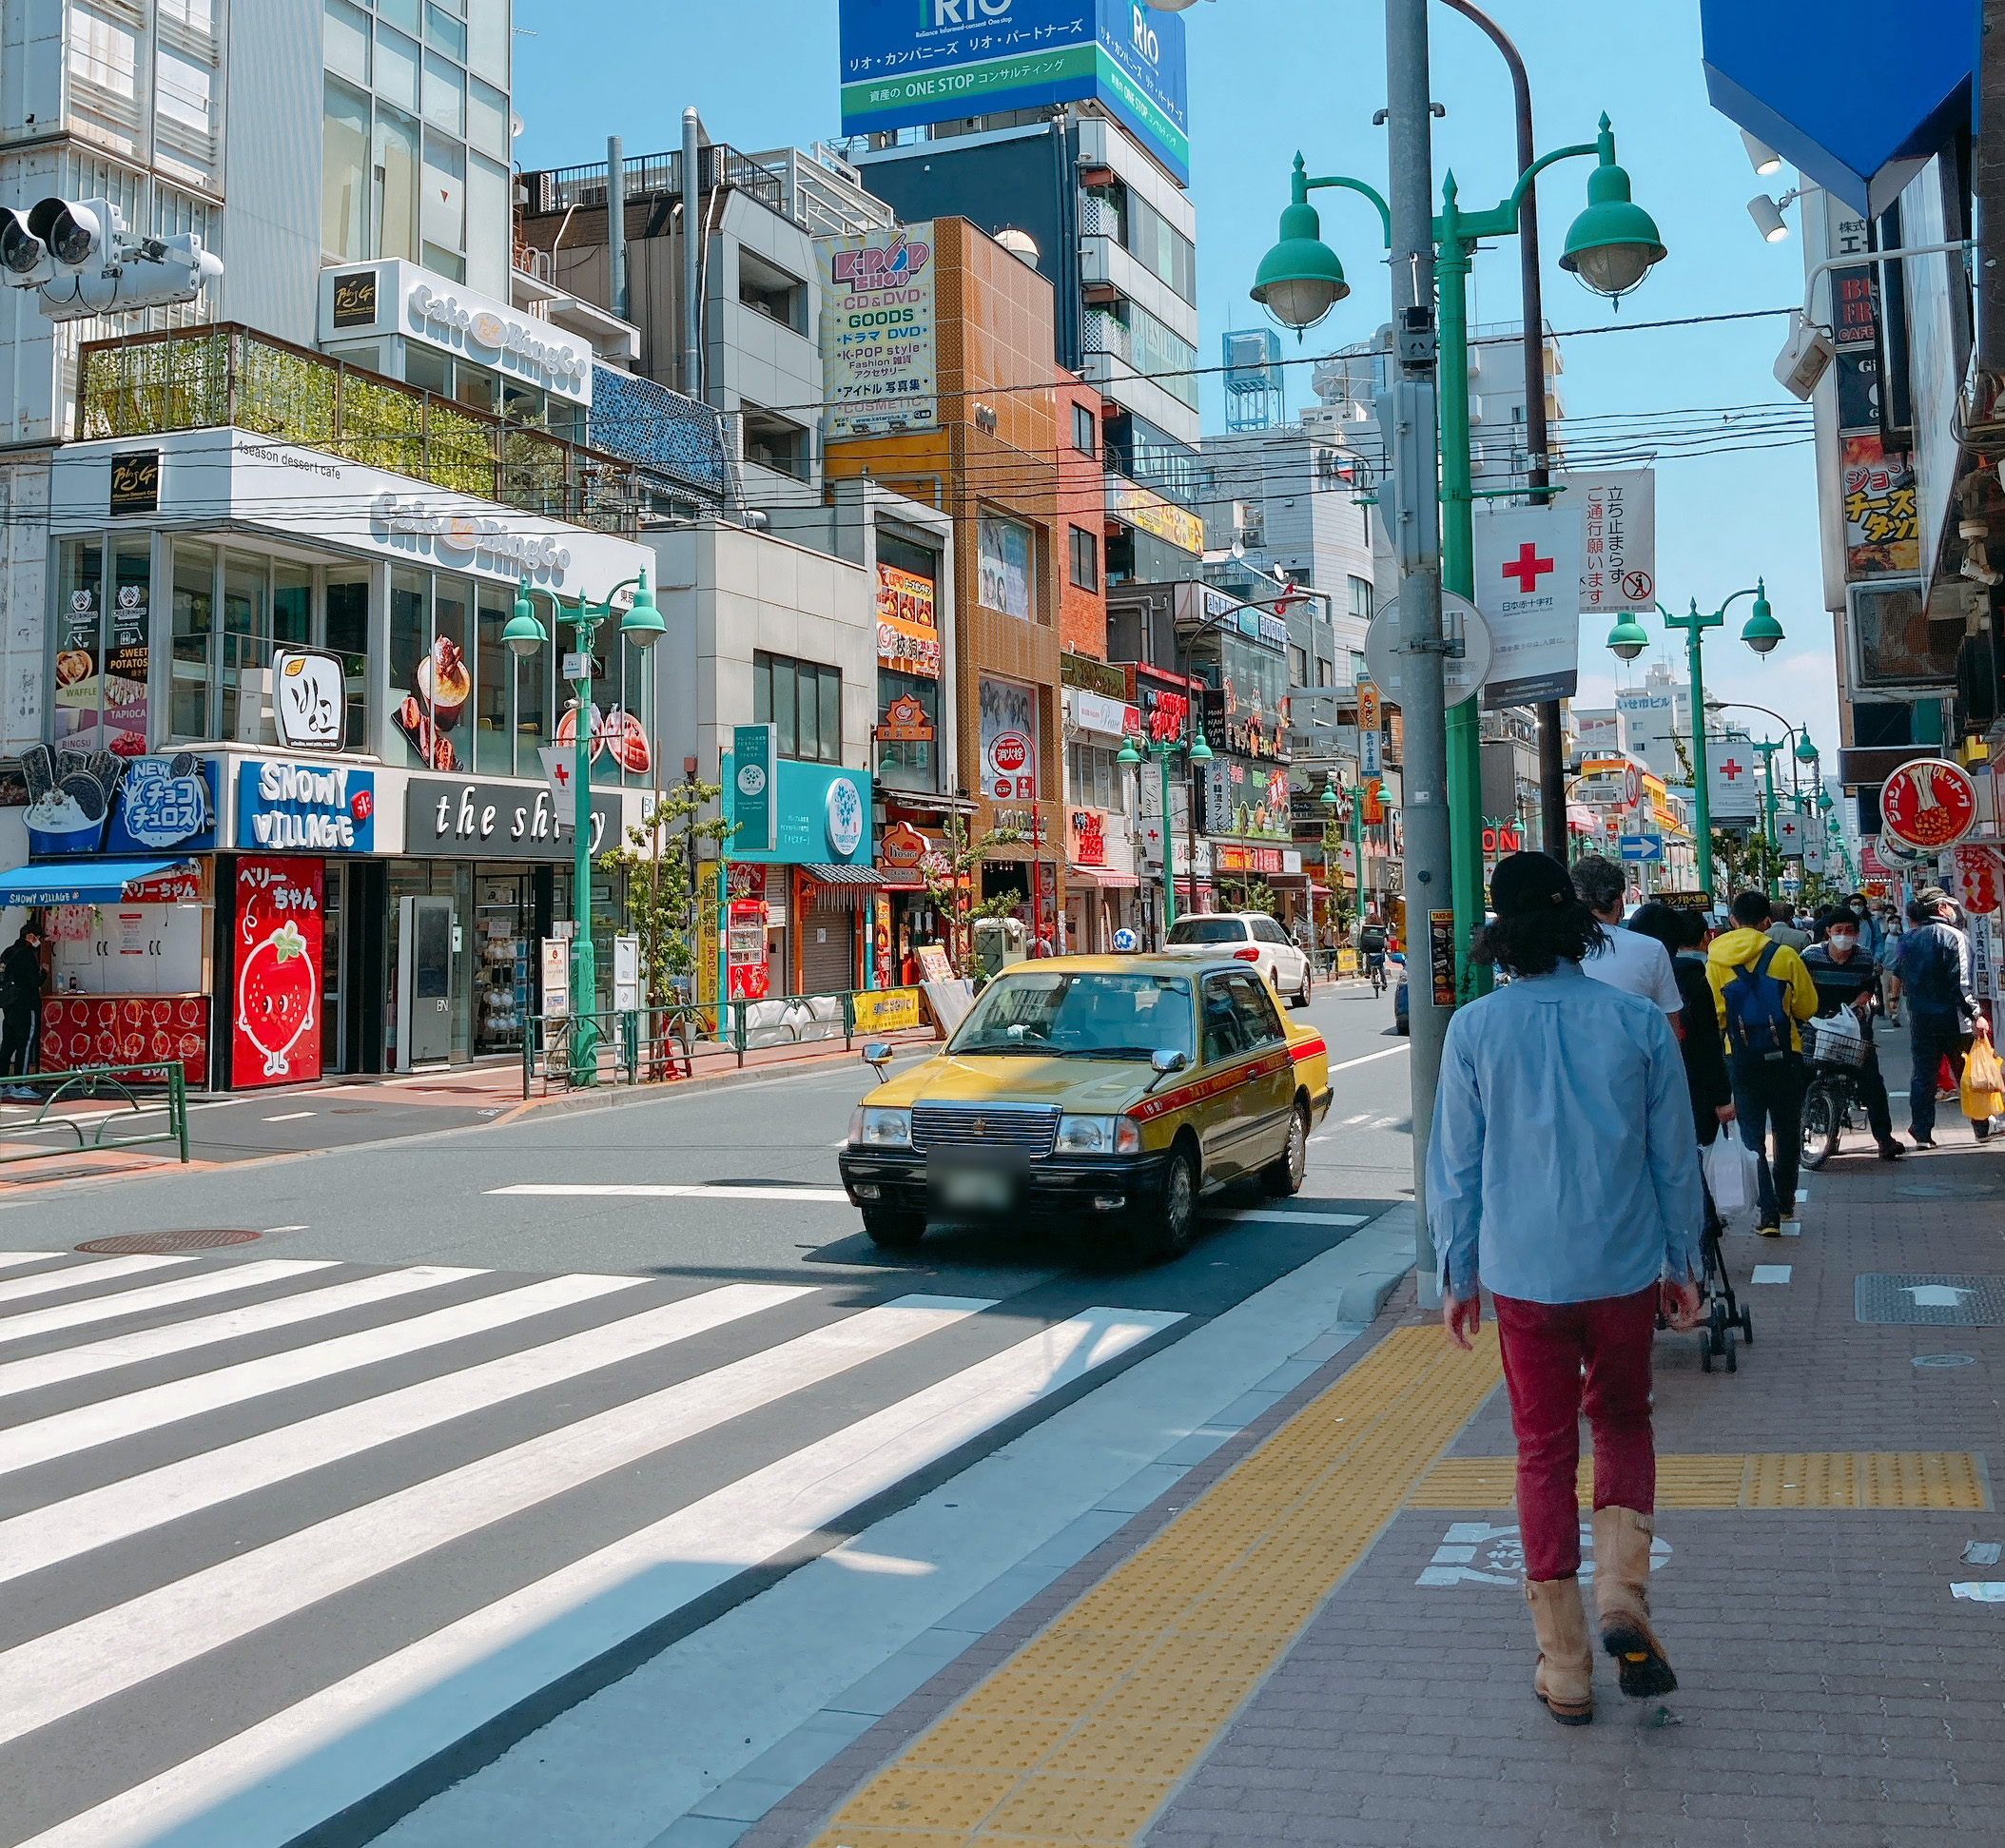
[(292, 1549)]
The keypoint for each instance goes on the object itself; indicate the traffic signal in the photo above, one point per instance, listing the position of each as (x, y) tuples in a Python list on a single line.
[(78, 254), (78, 232)]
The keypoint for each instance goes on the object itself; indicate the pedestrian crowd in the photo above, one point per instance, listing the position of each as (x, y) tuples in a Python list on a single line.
[(1564, 1171)]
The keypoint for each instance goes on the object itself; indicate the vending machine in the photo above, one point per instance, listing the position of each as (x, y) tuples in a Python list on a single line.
[(745, 950)]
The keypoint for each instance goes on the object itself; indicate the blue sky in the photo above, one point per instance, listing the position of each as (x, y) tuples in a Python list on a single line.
[(1269, 76)]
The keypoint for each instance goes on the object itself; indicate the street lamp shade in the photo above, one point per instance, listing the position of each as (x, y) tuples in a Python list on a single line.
[(642, 624), (1806, 751), (1768, 218), (1762, 632), (1300, 280), (1127, 756), (1760, 156), (1330, 797), (523, 633), (1628, 638), (1200, 751), (1613, 245), (1824, 803)]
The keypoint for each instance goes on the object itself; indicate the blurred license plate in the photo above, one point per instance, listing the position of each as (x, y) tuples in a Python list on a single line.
[(976, 1189)]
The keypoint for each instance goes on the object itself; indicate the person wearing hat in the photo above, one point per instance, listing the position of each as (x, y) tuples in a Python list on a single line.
[(1931, 975), (1563, 1173)]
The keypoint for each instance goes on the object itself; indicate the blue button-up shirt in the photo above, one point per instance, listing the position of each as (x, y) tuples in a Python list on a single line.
[(1562, 1155)]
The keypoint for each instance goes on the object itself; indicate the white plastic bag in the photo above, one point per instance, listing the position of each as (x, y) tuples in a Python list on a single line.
[(1731, 1173)]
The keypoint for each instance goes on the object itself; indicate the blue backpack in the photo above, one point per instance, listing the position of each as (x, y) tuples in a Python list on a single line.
[(1757, 1020)]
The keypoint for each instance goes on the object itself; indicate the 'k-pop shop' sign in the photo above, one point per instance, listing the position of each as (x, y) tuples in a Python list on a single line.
[(305, 807)]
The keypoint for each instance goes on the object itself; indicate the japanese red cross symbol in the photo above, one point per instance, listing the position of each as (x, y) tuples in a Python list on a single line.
[(1731, 772), (1527, 568), (561, 774)]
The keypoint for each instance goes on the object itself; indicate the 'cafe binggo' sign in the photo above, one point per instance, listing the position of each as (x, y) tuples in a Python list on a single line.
[(1928, 804)]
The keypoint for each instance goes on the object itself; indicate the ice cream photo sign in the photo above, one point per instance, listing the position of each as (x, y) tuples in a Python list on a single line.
[(275, 1026)]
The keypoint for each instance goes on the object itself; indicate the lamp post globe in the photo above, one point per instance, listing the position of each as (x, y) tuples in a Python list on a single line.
[(1806, 751), (1613, 245), (1200, 751), (1762, 632), (1329, 797), (523, 634), (1127, 756), (1824, 803), (642, 624), (1628, 638), (1300, 280)]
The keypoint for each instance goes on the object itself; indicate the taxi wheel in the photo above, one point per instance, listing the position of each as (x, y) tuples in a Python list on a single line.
[(895, 1231), (1283, 1175), (1164, 1229)]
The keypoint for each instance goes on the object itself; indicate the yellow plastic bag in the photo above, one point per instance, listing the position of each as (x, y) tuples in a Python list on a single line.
[(1983, 1081)]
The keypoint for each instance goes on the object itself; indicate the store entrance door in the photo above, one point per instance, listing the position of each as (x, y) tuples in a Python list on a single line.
[(827, 950)]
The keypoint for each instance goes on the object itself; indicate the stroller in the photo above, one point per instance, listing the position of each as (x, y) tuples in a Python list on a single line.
[(1725, 1316)]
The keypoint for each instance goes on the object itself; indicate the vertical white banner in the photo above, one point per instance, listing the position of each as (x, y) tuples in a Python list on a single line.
[(1528, 562), (1617, 510)]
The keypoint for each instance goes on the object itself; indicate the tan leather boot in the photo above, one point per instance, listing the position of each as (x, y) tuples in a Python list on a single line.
[(1565, 1677), (1621, 1601)]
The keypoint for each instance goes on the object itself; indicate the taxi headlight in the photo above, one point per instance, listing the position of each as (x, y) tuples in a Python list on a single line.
[(881, 1129), (1099, 1136)]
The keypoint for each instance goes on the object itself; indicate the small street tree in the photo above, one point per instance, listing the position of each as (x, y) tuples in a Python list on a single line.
[(949, 875)]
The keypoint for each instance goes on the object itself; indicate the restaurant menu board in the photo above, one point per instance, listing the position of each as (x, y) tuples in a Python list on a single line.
[(79, 1031), (76, 671), (275, 1019), (101, 673), (128, 655)]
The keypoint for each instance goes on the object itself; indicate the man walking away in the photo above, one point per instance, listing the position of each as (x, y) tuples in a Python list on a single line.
[(21, 982), (1763, 990), (1934, 981), (1845, 978), (1782, 929), (1623, 959), (1564, 1174)]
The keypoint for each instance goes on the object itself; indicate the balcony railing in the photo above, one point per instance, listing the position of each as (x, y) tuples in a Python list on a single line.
[(221, 374)]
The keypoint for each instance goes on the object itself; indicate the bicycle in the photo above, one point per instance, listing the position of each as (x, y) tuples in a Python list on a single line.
[(1833, 1061), (1376, 968)]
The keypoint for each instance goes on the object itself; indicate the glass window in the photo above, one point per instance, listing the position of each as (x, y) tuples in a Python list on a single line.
[(410, 641), (1255, 1008), (804, 702), (1082, 430), (181, 90), (1361, 597), (347, 634), (129, 645), (246, 639), (347, 41), (1086, 558), (531, 679), (447, 33), (446, 679), (1164, 355), (395, 66), (1225, 1032), (442, 222), (487, 222), (428, 368), (487, 119), (1208, 930), (102, 51), (1004, 548), (487, 39), (292, 603), (79, 639), (444, 94), (396, 184), (344, 172), (828, 684), (908, 763), (194, 625), (474, 385), (399, 12), (1114, 1016)]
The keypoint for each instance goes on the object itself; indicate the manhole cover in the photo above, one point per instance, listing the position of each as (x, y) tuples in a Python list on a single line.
[(1962, 1302), (131, 1243), (1946, 1190), (1945, 1360)]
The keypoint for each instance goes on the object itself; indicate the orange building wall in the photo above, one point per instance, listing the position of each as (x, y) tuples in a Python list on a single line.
[(1082, 502)]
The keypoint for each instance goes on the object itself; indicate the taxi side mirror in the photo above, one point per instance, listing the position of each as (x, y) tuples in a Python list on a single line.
[(1166, 1059), (877, 1054)]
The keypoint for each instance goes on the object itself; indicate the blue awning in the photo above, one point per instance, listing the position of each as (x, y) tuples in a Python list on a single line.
[(83, 881)]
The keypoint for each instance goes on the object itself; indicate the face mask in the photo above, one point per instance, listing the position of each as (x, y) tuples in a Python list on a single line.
[(1844, 940), (1858, 910)]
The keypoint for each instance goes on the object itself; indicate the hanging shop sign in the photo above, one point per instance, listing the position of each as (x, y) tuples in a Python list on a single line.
[(904, 721), (165, 801), (903, 847), (755, 751), (821, 815), (1140, 507), (1109, 718), (880, 360), (1929, 804), (309, 698), (275, 1019), (843, 810), (908, 625), (1009, 750), (1088, 827), (499, 821), (1527, 576), (305, 807)]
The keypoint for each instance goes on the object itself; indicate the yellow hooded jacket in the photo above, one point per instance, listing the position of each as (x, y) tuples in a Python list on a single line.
[(1741, 949)]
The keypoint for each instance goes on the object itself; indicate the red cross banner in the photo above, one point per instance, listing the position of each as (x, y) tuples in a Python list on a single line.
[(1733, 782), (1528, 572)]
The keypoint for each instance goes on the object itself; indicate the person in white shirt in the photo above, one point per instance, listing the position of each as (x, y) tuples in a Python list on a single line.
[(1638, 964)]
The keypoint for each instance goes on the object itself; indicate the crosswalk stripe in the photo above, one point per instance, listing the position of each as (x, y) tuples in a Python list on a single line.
[(271, 1782), (218, 1282), (36, 1370), (71, 1277), (15, 1260), (668, 1190), (60, 1531), (64, 1433), (1276, 1216), (66, 1669)]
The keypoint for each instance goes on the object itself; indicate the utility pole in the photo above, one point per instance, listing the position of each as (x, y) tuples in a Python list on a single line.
[(1406, 414)]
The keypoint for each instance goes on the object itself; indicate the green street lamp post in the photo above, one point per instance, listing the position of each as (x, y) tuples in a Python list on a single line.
[(640, 624), (1197, 751), (1767, 748), (1611, 247), (1629, 639)]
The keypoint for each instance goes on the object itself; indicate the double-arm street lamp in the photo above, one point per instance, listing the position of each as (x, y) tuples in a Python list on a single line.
[(1162, 749), (1629, 639), (640, 624), (1611, 247), (1804, 753)]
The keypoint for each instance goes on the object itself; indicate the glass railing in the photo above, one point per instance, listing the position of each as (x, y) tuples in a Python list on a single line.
[(222, 374)]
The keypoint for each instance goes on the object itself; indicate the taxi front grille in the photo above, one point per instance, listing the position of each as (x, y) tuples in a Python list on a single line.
[(1030, 1129)]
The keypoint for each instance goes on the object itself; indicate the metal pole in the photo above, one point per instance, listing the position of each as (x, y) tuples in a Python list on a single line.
[(1417, 545), (616, 224), (584, 971), (1168, 854), (692, 261), (1701, 792)]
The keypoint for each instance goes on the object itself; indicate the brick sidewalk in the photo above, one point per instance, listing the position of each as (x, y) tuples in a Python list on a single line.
[(1832, 1691)]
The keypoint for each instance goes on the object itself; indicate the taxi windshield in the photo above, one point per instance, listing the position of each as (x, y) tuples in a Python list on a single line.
[(1077, 1014)]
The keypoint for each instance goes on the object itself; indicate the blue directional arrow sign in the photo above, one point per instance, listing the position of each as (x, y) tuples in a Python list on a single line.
[(1648, 848)]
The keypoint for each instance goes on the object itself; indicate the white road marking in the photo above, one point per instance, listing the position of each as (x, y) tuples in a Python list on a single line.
[(66, 1433), (59, 1530), (282, 1311), (698, 1191), (1391, 1052), (96, 1270), (158, 1295), (283, 1775), (66, 1669), (291, 1117), (1352, 1123), (14, 1260), (1280, 1215), (1770, 1273)]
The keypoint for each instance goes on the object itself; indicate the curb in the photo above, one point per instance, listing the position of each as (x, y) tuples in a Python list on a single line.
[(1384, 1248)]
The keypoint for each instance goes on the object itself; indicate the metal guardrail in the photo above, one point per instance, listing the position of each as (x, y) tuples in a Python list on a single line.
[(95, 1081)]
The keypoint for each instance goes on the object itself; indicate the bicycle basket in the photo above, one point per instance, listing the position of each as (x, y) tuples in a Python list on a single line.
[(1834, 1041)]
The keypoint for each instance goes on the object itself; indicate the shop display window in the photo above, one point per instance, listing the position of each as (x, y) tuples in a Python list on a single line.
[(247, 636), (907, 763)]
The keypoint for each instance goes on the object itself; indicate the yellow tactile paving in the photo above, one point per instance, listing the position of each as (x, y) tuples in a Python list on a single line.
[(1821, 1479), (1080, 1738)]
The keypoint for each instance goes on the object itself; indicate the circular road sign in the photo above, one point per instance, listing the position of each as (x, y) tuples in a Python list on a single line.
[(1461, 678)]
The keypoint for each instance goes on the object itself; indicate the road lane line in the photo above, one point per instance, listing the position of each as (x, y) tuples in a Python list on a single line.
[(1391, 1052), (667, 1190), (66, 1669), (1279, 1216), (65, 1434), (71, 1277), (15, 1260), (290, 1117), (159, 1295), (25, 1375), (60, 1531), (277, 1778)]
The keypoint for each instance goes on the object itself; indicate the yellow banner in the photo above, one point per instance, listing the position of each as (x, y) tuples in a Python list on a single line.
[(1346, 961), (883, 1010)]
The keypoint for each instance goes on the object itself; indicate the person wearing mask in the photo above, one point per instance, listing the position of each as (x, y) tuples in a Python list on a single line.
[(1872, 933), (1845, 978), (1931, 973), (1761, 991), (22, 982), (1563, 1173), (1638, 964), (1782, 927), (1890, 929)]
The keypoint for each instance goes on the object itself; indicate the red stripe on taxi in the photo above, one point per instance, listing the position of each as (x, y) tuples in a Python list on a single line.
[(1150, 1108), (1308, 1048)]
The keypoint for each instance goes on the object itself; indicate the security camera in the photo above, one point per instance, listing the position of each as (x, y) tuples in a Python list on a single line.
[(78, 232), (1805, 357)]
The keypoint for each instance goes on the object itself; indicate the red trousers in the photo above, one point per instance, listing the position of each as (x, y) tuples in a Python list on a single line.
[(1559, 1360)]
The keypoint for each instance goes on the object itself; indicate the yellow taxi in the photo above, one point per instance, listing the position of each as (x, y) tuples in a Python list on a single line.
[(1104, 1090)]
